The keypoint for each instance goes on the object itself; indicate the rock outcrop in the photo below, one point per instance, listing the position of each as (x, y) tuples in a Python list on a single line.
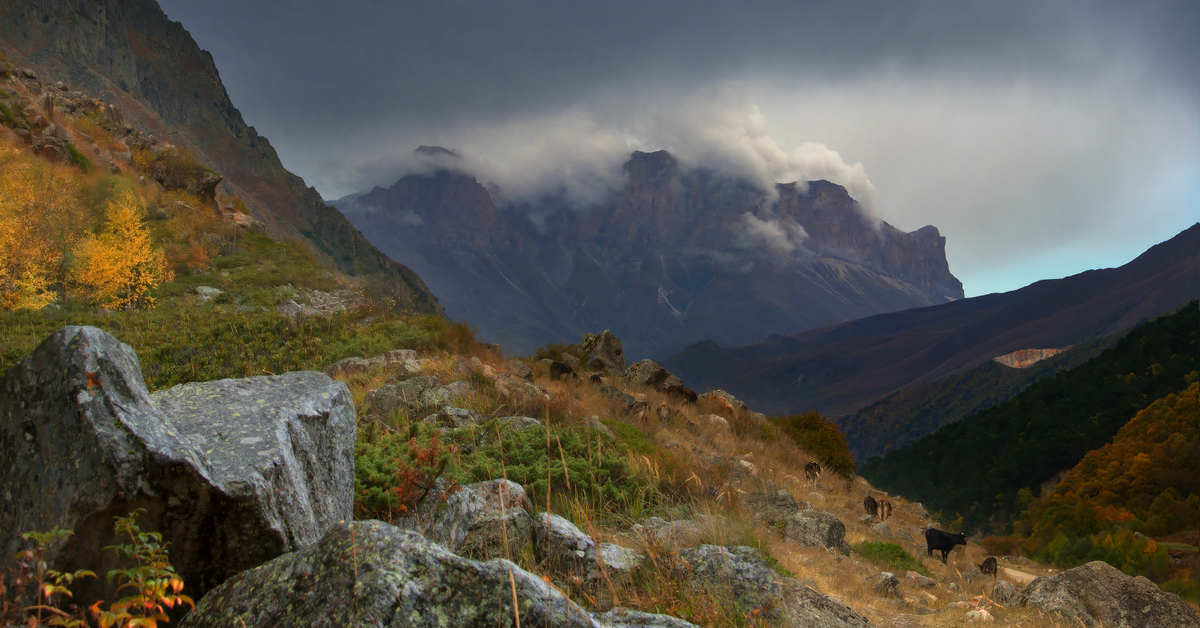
[(603, 353), (233, 473), (1025, 358), (369, 573), (482, 520), (651, 374), (1098, 594), (817, 528)]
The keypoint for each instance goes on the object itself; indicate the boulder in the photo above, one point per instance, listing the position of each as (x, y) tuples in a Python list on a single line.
[(626, 618), (885, 584), (569, 360), (368, 573), (624, 399), (771, 508), (919, 580), (817, 528), (561, 545), (232, 473), (724, 399), (415, 397), (652, 375), (518, 369), (668, 534), (738, 572), (1004, 593), (883, 530), (618, 561), (477, 520), (971, 575), (1098, 594), (804, 607), (903, 535), (603, 353)]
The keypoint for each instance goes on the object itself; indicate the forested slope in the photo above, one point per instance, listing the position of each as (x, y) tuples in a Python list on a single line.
[(975, 467)]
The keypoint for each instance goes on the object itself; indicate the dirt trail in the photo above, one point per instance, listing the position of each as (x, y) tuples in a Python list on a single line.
[(1017, 576)]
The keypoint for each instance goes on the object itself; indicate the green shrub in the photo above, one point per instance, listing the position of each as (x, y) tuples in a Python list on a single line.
[(891, 555), (819, 437), (78, 159), (554, 351)]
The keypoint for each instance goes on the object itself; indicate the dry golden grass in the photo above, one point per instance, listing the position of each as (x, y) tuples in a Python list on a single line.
[(687, 444)]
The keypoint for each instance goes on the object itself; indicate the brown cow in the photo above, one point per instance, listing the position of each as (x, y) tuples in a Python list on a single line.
[(988, 567), (665, 412), (639, 411), (885, 509)]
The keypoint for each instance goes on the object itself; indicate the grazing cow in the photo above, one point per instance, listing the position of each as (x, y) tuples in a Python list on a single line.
[(988, 567), (943, 542), (638, 411), (871, 506), (812, 472), (595, 378), (559, 370), (885, 509), (683, 393), (664, 412)]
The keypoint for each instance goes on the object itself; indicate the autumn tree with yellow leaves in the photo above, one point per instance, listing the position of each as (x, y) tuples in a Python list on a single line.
[(118, 266)]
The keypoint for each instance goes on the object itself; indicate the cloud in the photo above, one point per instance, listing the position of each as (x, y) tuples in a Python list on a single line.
[(777, 237)]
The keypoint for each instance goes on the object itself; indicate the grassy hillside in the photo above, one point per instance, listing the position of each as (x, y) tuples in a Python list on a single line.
[(914, 412), (974, 468)]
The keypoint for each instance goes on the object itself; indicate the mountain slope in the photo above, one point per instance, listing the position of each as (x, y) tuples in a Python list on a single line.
[(841, 368), (129, 53), (678, 255), (976, 467)]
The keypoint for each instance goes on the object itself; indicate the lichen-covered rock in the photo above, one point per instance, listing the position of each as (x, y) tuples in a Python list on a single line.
[(1004, 593), (232, 473), (1098, 594), (369, 573), (560, 544), (771, 508), (626, 618), (885, 584), (804, 607), (883, 530), (919, 580), (651, 374), (668, 534), (603, 353), (477, 520), (817, 528), (616, 560), (416, 397), (624, 399), (738, 572)]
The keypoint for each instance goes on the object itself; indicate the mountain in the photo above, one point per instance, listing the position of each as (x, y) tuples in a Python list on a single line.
[(127, 52), (841, 368), (977, 466), (909, 414), (678, 255)]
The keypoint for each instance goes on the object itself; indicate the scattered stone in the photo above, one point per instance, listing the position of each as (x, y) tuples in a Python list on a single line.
[(594, 423), (1004, 593), (562, 546), (668, 534), (979, 615), (520, 370), (519, 422), (919, 580), (208, 292), (232, 473), (738, 571), (866, 520), (477, 520), (652, 375), (804, 607), (817, 528), (971, 575), (771, 508), (603, 353), (397, 579), (460, 389), (618, 561), (569, 360), (453, 418), (717, 421), (885, 584), (903, 535), (883, 530), (1098, 594), (724, 399), (415, 397), (625, 400)]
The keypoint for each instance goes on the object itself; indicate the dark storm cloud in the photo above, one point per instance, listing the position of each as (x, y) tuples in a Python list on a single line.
[(1062, 135)]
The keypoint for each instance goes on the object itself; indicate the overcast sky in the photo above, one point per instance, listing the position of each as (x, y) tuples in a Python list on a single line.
[(1042, 138)]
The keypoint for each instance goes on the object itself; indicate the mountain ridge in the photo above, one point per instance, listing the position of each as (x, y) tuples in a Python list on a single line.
[(679, 254)]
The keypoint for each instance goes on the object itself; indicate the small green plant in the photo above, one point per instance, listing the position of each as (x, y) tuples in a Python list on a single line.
[(49, 587), (154, 585), (891, 555), (393, 473), (78, 159)]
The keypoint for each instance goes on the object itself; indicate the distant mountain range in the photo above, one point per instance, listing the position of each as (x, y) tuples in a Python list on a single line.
[(678, 255), (841, 368)]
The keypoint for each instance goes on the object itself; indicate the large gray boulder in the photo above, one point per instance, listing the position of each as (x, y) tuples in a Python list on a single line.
[(817, 528), (1098, 594), (651, 374), (232, 473), (415, 398), (603, 353), (369, 573), (743, 575), (560, 545), (482, 520), (771, 508)]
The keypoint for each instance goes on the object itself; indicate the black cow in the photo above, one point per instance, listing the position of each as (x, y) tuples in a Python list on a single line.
[(944, 542), (871, 506), (682, 393), (988, 567), (559, 370)]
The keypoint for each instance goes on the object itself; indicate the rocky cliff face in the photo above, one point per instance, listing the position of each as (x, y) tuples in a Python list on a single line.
[(129, 53), (1025, 358), (679, 255)]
